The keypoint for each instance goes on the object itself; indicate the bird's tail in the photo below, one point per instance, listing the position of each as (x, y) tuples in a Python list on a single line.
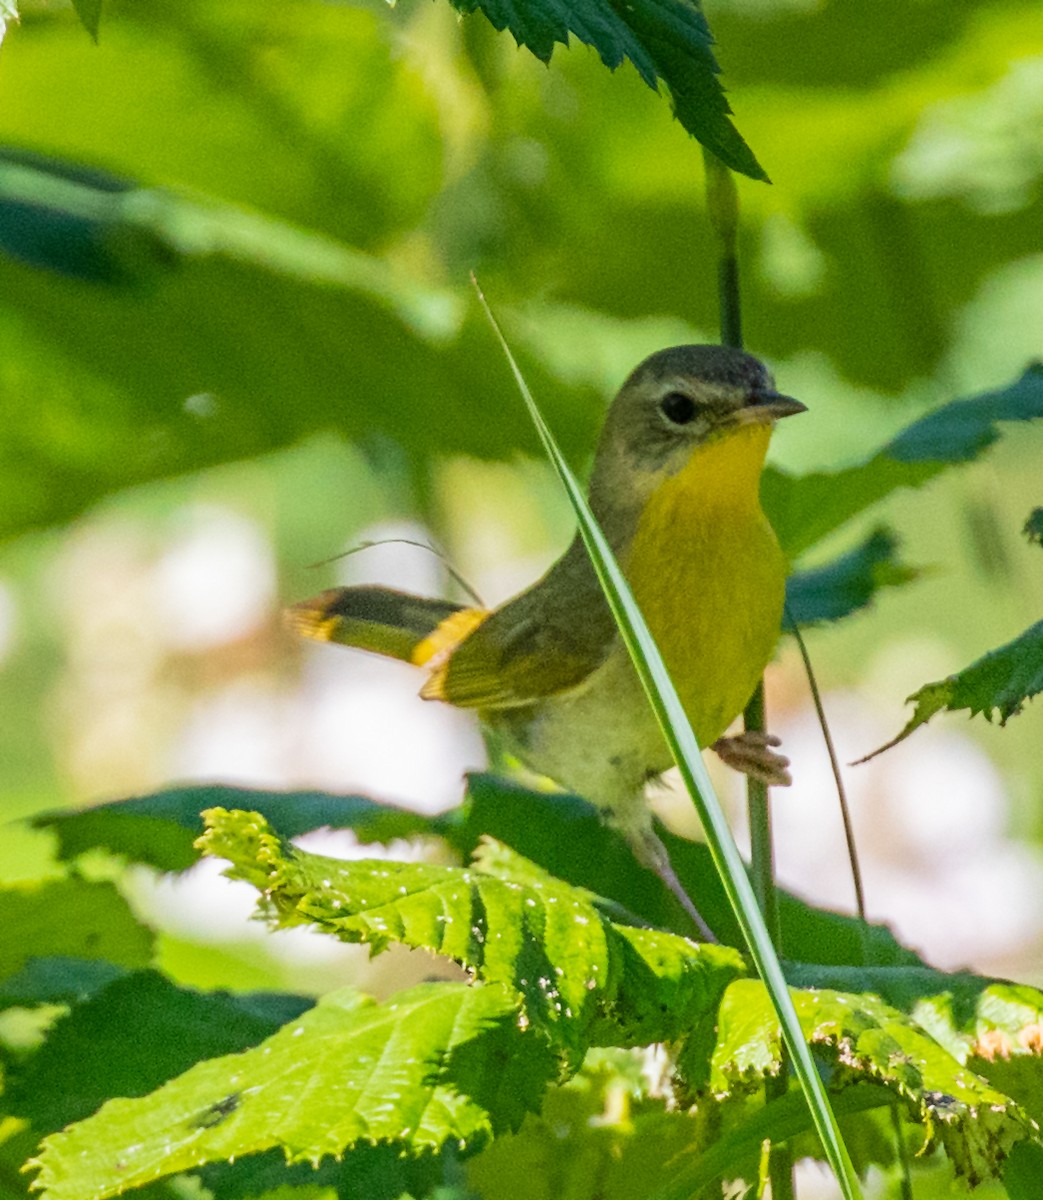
[(415, 629)]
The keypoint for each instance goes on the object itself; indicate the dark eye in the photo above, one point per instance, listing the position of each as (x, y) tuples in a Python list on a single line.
[(678, 408)]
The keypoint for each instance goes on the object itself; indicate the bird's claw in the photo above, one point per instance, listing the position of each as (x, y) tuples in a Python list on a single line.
[(752, 753)]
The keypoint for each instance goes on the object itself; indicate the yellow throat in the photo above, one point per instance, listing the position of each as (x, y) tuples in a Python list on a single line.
[(709, 575)]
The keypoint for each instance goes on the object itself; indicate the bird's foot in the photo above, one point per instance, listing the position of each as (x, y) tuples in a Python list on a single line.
[(753, 754)]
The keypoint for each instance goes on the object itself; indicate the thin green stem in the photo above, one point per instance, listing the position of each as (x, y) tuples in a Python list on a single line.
[(722, 200)]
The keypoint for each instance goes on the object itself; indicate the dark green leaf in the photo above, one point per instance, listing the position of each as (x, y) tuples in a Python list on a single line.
[(998, 683), (1034, 526), (1023, 1171), (160, 829), (804, 509), (69, 918), (368, 1172), (132, 1036), (666, 40), (437, 1063), (57, 980), (583, 978), (89, 12), (848, 583)]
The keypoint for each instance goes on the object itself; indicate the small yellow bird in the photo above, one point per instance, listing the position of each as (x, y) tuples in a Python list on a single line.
[(675, 487)]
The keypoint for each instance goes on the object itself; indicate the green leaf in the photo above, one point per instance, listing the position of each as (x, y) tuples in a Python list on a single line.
[(57, 980), (1034, 526), (598, 1136), (848, 583), (160, 829), (132, 1036), (583, 978), (804, 509), (69, 918), (1000, 683), (1023, 1171), (863, 1040), (666, 40), (89, 12), (567, 836), (169, 275), (439, 1062)]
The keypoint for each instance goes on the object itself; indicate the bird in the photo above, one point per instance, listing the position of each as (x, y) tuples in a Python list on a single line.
[(675, 486)]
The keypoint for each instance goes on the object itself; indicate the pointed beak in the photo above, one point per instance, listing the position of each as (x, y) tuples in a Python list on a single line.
[(768, 406)]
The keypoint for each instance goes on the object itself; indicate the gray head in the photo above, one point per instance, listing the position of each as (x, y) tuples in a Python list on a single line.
[(674, 401), (691, 391)]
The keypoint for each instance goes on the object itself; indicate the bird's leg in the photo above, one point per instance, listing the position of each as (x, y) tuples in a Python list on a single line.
[(752, 753), (651, 853)]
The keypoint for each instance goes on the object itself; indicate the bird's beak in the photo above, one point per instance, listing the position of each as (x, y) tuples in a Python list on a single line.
[(768, 406)]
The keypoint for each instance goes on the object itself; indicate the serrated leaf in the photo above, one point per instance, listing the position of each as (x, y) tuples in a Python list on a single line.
[(848, 583), (132, 1036), (567, 837), (439, 1062), (583, 978), (69, 918), (804, 509), (666, 40), (999, 683), (863, 1040), (160, 829), (89, 12)]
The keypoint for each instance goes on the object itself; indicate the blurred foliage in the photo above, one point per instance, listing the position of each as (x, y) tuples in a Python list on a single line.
[(230, 229)]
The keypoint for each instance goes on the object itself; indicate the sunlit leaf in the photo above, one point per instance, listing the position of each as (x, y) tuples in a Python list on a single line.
[(132, 1036), (997, 685), (438, 1062), (848, 583), (567, 836), (864, 1040), (804, 509), (584, 979)]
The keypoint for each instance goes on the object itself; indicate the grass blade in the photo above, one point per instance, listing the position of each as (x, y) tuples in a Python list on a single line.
[(667, 705)]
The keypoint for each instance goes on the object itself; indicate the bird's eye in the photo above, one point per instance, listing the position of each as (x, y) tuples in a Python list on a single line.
[(678, 408)]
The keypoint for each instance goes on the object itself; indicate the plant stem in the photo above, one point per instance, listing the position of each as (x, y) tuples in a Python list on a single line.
[(722, 199)]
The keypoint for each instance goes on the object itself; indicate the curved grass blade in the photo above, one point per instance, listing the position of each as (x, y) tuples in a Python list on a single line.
[(678, 733)]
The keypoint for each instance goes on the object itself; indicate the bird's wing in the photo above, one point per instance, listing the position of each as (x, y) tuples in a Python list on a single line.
[(509, 663)]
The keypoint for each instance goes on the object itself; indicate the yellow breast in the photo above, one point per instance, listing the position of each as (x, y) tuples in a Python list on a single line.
[(709, 575)]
